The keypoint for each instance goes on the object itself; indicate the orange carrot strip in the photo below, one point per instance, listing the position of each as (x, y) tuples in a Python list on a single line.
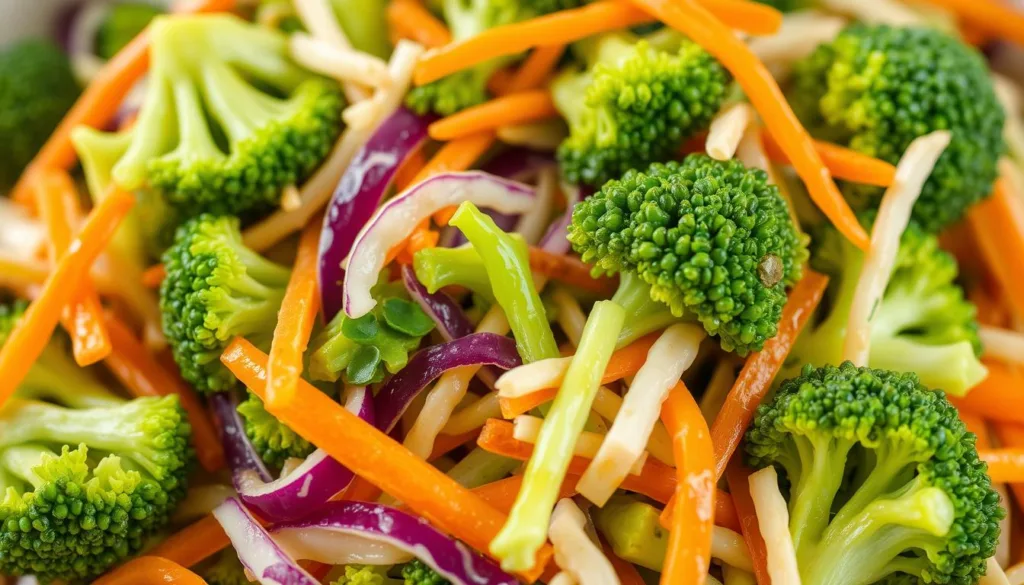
[(689, 542), (514, 108), (100, 101), (415, 22), (410, 169), (499, 81), (150, 570), (536, 69), (31, 334), (1005, 465), (1011, 435), (502, 493), (624, 362), (57, 201), (136, 368), (568, 270), (736, 475), (295, 319), (153, 276), (377, 458), (568, 26), (999, 397), (998, 225), (702, 27), (843, 162), (627, 573), (361, 490), (988, 15), (976, 424), (760, 369), (445, 444), (194, 543)]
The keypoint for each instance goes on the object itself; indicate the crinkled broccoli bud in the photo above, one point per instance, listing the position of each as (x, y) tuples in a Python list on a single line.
[(216, 289), (37, 88), (226, 570), (228, 120), (124, 21), (885, 484), (635, 103), (922, 324), (366, 575), (713, 240), (273, 441), (416, 572), (876, 88)]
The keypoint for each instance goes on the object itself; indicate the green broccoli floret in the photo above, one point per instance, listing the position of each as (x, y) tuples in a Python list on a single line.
[(273, 441), (712, 240), (465, 19), (215, 289), (635, 103), (365, 24), (884, 480), (877, 88), (86, 476), (922, 324), (359, 350), (226, 569), (37, 88), (416, 572), (366, 575), (228, 120), (124, 22)]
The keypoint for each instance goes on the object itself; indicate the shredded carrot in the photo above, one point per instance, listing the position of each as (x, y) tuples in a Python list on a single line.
[(57, 201), (410, 169), (976, 424), (623, 363), (445, 444), (31, 334), (193, 544), (511, 109), (843, 162), (295, 319), (100, 101), (760, 369), (1011, 435), (150, 570), (702, 27), (627, 573), (499, 81), (999, 397), (998, 225), (502, 493), (1005, 465), (136, 368), (689, 542), (153, 276), (361, 490), (1002, 20), (377, 458), (569, 270), (737, 476), (413, 21), (568, 26), (536, 69)]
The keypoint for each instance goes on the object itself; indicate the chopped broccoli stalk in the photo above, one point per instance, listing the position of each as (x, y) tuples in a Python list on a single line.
[(635, 103), (37, 87), (876, 88), (527, 526), (922, 324), (884, 481), (366, 575), (216, 289), (226, 569), (359, 350), (481, 467), (416, 572), (365, 24), (712, 239), (124, 22), (228, 120), (437, 268), (273, 441), (508, 270), (86, 476), (633, 530)]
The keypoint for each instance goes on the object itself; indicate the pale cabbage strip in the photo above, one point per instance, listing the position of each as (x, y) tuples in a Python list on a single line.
[(338, 62), (1015, 574), (562, 578), (773, 518), (994, 574), (534, 222), (575, 553), (529, 378), (889, 12), (800, 33), (733, 576), (727, 129), (1004, 345), (912, 171), (474, 415), (318, 18), (316, 191), (526, 428), (1009, 97), (722, 379), (543, 136), (570, 316), (448, 392), (729, 547), (667, 360)]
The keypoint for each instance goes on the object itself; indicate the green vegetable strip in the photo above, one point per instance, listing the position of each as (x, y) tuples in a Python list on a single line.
[(527, 526), (508, 269), (437, 268)]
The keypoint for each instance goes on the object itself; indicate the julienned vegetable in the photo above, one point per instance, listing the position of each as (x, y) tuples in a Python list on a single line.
[(449, 318), (257, 550)]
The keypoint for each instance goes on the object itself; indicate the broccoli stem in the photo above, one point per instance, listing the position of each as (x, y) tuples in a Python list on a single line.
[(481, 467), (19, 463), (645, 314), (953, 368), (820, 473), (55, 377), (238, 106), (437, 268)]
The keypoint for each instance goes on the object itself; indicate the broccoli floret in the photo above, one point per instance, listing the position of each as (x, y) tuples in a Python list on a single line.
[(226, 569), (274, 442), (465, 19), (877, 88), (922, 324), (635, 103), (124, 22), (359, 350), (885, 484), (86, 476), (37, 88), (228, 120), (416, 572), (215, 289), (366, 575), (712, 240)]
